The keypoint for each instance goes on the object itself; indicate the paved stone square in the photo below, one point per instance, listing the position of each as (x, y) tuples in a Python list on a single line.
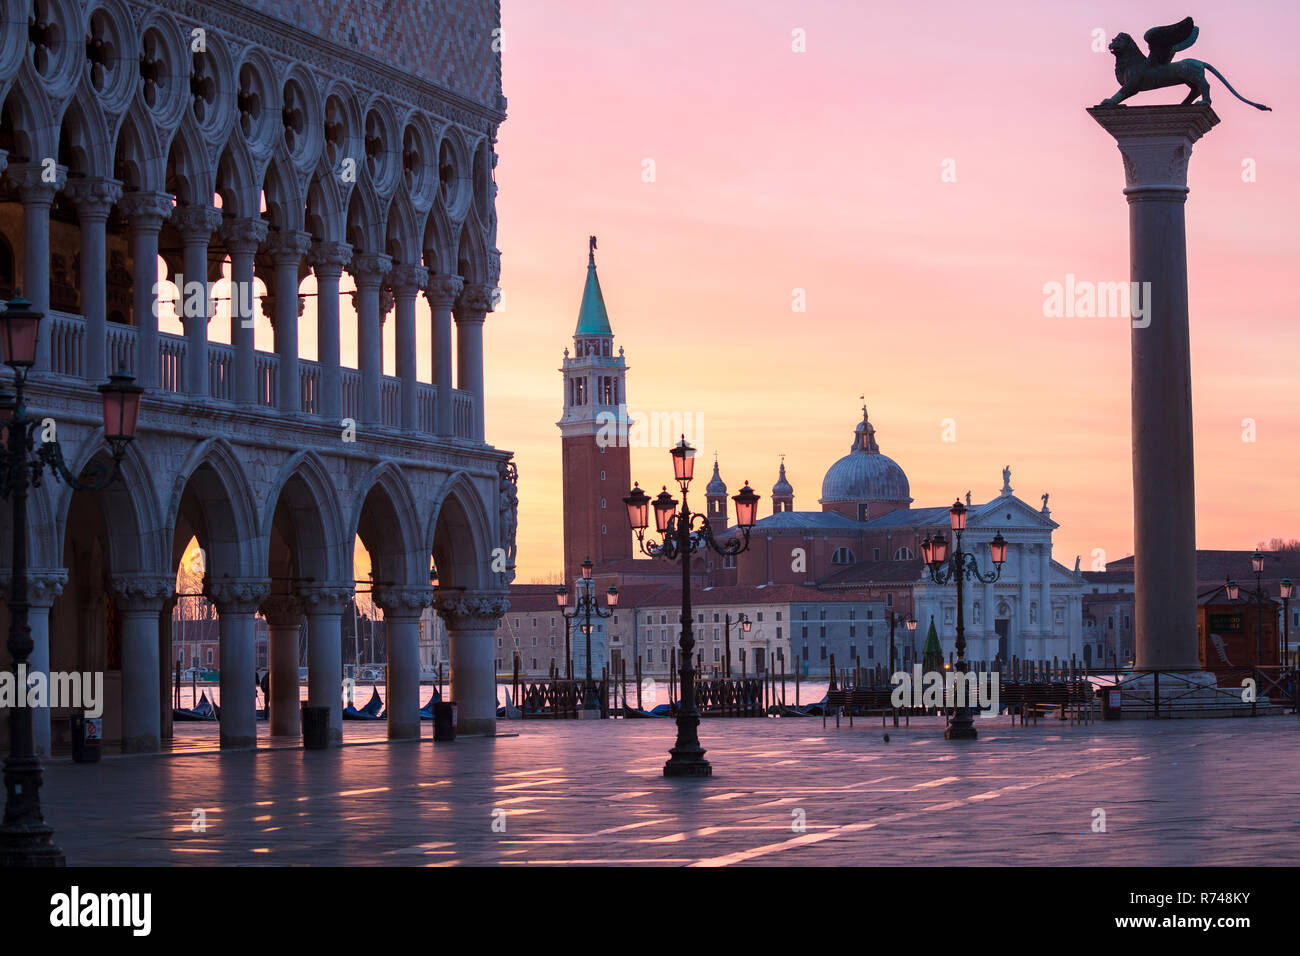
[(1182, 792)]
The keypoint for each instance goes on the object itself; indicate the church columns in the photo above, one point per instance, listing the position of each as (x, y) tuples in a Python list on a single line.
[(1025, 627), (37, 189), (988, 620), (195, 225), (283, 620), (139, 598), (402, 608), (327, 260), (472, 307), (242, 238), (237, 600), (1046, 618), (369, 270), (406, 281), (471, 621), (441, 293), (146, 212), (287, 248), (325, 606), (93, 199)]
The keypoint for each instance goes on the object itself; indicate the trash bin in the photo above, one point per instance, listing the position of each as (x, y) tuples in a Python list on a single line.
[(444, 720), (315, 727), (1111, 701), (87, 738)]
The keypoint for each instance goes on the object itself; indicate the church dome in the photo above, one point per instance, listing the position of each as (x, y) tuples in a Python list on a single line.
[(864, 474), (716, 485), (782, 488)]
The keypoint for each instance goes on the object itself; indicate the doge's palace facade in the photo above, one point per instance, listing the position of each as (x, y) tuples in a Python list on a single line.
[(290, 148)]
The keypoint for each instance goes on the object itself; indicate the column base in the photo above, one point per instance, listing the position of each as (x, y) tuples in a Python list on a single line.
[(482, 726), (26, 845), (232, 742), (141, 744), (687, 767), (403, 731), (589, 715)]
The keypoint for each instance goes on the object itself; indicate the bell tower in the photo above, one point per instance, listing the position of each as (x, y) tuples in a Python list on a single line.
[(596, 461)]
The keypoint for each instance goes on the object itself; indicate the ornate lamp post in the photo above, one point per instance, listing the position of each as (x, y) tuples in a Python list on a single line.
[(683, 534), (910, 624), (25, 838), (585, 607), (1288, 592), (943, 568), (746, 624), (1258, 595)]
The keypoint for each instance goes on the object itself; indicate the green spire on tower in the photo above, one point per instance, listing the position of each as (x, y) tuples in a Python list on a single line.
[(932, 655), (592, 317)]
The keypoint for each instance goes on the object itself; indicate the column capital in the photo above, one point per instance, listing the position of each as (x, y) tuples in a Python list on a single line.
[(36, 181), (146, 209), (1155, 141), (196, 223), (93, 196), (325, 599), (282, 610), (369, 267), (237, 595), (442, 291), (408, 279), (398, 601), (471, 609), (475, 302), (288, 246), (142, 592), (43, 585), (329, 258), (243, 235)]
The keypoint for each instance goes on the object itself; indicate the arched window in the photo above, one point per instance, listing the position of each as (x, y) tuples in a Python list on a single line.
[(903, 554), (842, 556)]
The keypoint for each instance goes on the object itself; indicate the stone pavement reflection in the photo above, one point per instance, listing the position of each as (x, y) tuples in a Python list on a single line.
[(1182, 792)]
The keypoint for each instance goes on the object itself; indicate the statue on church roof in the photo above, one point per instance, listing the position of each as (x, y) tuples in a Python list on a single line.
[(1006, 480)]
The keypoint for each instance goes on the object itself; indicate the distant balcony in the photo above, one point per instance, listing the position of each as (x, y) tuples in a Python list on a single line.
[(67, 334)]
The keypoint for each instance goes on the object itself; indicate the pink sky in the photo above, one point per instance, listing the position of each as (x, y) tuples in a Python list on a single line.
[(821, 170)]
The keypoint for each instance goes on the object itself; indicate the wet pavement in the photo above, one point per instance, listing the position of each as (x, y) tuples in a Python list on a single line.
[(784, 792)]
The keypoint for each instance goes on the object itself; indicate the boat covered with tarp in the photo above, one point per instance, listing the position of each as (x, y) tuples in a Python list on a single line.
[(203, 710), (373, 710)]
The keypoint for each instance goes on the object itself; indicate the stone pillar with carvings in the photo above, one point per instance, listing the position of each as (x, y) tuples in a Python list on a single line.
[(242, 237), (407, 281), (325, 605), (43, 587), (475, 302), (369, 270), (145, 211), (139, 598), (287, 249), (37, 184), (1156, 145), (442, 292), (237, 601), (195, 225), (284, 621), (471, 619), (327, 260), (402, 607), (94, 198)]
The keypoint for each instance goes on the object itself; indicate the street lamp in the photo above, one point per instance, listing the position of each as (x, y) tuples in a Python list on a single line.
[(910, 624), (683, 534), (586, 606), (25, 838), (1288, 592), (1233, 591), (944, 568), (745, 623)]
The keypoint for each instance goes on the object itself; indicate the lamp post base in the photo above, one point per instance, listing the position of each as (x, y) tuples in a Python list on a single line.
[(592, 713), (961, 727), (26, 845), (681, 765)]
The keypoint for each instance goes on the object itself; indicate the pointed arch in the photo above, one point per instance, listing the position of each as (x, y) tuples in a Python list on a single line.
[(303, 486), (459, 535), (385, 517), (212, 499)]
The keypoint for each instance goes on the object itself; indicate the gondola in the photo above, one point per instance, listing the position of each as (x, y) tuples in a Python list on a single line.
[(374, 709), (203, 710), (426, 712)]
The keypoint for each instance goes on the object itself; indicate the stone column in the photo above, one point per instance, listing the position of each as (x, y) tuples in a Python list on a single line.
[(1046, 619), (195, 225), (146, 212), (284, 621), (325, 606), (442, 292), (241, 238), (287, 249), (237, 601), (402, 608), (327, 260), (93, 199), (37, 187), (1026, 627), (369, 270), (1156, 145), (407, 281), (471, 620), (988, 620), (472, 307), (43, 587), (139, 598)]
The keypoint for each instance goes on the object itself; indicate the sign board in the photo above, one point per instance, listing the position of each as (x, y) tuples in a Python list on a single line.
[(1226, 623)]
